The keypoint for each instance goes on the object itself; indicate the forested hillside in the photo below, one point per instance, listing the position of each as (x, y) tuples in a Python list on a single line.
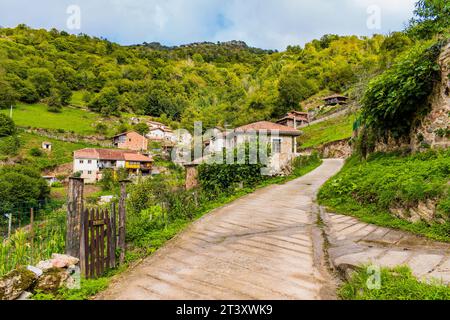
[(216, 83)]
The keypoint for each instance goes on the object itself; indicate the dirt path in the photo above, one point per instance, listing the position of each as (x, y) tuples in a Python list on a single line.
[(264, 246)]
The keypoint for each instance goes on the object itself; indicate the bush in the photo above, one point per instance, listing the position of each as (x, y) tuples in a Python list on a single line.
[(36, 152), (7, 126), (9, 145), (21, 184)]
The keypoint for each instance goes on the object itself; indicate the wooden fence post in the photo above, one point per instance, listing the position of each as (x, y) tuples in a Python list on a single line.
[(113, 241), (74, 212), (122, 219), (32, 229)]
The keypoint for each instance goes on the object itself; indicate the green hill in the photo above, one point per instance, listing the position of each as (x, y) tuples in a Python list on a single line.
[(225, 83)]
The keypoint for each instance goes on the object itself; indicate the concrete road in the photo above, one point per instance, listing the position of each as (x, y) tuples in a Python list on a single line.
[(264, 246)]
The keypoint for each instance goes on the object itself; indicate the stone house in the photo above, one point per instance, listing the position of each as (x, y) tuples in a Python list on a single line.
[(130, 141), (335, 99), (282, 139), (295, 119)]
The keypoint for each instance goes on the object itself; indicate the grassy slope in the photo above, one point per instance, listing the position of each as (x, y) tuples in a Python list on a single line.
[(396, 284), (61, 151), (70, 119), (327, 131), (367, 189)]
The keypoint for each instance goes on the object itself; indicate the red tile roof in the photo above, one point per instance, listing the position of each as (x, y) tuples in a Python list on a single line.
[(269, 126), (110, 154), (137, 157)]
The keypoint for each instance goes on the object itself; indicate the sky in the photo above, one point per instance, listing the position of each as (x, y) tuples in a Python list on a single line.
[(267, 24)]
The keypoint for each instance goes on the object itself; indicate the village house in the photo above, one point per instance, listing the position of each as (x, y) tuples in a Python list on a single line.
[(130, 140), (91, 162), (161, 134), (295, 119), (282, 139), (335, 99)]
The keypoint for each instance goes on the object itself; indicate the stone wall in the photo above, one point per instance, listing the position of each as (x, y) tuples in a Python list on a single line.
[(429, 132), (432, 131), (341, 149)]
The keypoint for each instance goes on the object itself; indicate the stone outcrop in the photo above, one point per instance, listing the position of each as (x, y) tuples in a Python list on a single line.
[(341, 149), (425, 211), (433, 130)]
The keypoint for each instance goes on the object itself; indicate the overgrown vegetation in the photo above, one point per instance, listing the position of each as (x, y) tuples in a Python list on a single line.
[(394, 99), (368, 189), (396, 284)]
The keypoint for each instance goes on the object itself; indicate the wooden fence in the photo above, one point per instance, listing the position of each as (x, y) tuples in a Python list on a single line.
[(98, 242), (95, 235)]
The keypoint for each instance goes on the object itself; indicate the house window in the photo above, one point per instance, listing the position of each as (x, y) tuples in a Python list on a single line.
[(89, 172), (276, 145), (89, 161), (81, 161)]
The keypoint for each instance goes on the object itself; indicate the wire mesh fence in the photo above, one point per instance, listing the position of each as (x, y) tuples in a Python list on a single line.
[(30, 232)]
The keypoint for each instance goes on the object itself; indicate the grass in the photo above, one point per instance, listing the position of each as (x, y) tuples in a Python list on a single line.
[(77, 99), (70, 119), (62, 152), (369, 189), (328, 131), (396, 284)]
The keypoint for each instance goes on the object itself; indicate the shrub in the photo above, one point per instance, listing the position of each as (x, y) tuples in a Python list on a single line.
[(36, 152), (7, 126), (9, 146)]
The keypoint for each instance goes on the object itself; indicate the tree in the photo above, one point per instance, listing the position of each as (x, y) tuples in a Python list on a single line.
[(431, 17), (65, 94), (294, 88), (106, 101), (7, 126), (141, 128), (21, 185), (7, 95), (43, 81)]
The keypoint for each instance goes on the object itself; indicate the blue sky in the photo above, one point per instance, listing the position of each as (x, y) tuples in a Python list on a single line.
[(269, 24)]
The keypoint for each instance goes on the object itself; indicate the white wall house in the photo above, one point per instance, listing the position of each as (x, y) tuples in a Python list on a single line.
[(91, 162)]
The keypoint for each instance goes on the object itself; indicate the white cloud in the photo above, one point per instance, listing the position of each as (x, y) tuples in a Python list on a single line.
[(261, 23)]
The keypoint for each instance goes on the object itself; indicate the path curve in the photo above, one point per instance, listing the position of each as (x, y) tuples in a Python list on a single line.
[(263, 246)]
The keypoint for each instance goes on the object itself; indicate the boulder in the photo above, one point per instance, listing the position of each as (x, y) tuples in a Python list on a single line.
[(63, 260), (15, 283), (45, 265), (38, 272), (52, 280)]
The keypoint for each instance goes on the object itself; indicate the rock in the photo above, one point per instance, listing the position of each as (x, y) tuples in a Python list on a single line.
[(346, 270), (45, 265), (51, 280), (38, 272), (63, 261), (15, 283), (25, 296)]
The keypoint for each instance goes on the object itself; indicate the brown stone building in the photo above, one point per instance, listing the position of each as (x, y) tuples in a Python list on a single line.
[(294, 119), (335, 99), (131, 141)]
